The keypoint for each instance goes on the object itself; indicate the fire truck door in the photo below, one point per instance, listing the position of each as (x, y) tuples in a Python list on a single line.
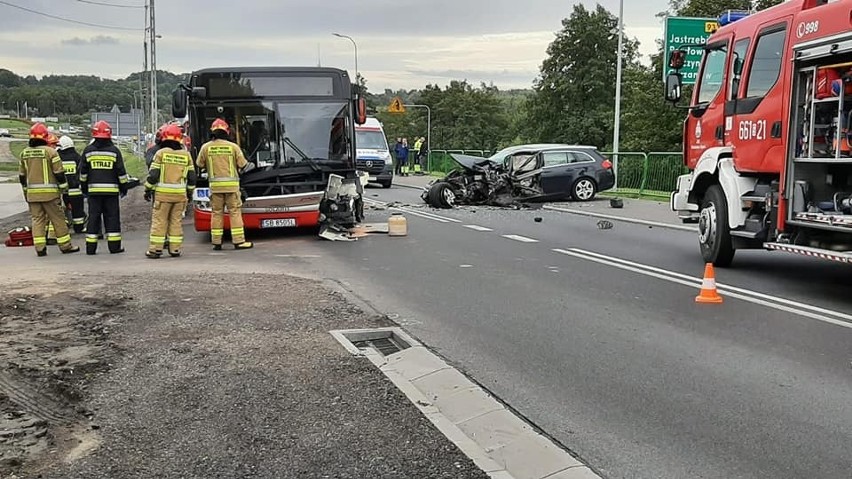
[(756, 128), (705, 126)]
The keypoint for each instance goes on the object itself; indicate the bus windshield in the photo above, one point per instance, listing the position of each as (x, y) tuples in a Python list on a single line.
[(284, 134)]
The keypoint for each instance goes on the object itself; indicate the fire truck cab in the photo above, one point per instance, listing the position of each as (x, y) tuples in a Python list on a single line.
[(766, 139)]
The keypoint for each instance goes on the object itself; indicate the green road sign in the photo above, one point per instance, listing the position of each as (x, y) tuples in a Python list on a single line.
[(689, 34)]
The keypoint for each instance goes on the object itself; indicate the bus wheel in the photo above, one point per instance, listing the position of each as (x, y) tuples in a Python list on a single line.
[(714, 233)]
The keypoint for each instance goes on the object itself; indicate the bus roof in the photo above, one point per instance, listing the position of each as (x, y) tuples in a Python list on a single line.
[(282, 69)]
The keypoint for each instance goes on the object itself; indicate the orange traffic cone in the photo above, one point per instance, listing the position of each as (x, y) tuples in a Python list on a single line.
[(709, 294)]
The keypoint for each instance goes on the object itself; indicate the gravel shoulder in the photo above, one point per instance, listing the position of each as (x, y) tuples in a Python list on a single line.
[(207, 375)]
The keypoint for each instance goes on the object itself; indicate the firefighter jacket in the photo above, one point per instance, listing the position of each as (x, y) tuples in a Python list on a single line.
[(41, 174), (70, 163), (172, 175), (223, 161), (102, 170)]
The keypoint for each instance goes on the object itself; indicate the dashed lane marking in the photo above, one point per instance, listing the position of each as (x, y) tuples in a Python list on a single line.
[(478, 228), (522, 239)]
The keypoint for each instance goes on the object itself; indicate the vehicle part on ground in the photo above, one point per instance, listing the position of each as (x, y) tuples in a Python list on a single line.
[(616, 203), (342, 207), (605, 225)]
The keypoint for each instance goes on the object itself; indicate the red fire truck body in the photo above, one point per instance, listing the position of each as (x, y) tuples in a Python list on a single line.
[(767, 139)]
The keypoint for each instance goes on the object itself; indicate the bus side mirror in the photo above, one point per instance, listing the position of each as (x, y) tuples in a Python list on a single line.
[(361, 116), (179, 102), (677, 59), (674, 85)]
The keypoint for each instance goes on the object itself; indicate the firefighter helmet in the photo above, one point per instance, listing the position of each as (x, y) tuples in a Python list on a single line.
[(39, 132), (220, 124), (52, 140), (102, 130), (159, 134), (172, 133), (65, 142)]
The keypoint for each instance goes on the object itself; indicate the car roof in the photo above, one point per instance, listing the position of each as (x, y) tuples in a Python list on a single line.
[(543, 146)]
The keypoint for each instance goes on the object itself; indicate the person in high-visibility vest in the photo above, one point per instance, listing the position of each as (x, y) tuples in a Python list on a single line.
[(416, 161)]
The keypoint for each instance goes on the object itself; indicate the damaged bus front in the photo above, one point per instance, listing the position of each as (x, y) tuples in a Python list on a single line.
[(296, 129)]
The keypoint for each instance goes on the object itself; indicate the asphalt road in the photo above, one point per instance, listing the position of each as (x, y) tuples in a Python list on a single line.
[(594, 335)]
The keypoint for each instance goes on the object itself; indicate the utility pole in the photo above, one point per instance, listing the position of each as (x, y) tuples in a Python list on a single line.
[(617, 128), (153, 85)]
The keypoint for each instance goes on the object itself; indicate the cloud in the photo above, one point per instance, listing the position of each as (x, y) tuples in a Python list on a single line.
[(96, 40), (401, 43)]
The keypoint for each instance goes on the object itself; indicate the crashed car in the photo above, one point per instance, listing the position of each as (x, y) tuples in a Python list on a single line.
[(523, 174)]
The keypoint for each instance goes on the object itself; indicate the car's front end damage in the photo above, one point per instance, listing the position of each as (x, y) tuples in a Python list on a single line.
[(482, 181)]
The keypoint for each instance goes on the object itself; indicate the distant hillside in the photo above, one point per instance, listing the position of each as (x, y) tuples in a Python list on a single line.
[(68, 96)]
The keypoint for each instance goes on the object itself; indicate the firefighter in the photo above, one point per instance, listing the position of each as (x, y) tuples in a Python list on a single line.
[(103, 178), (43, 180), (224, 161), (71, 162), (171, 181)]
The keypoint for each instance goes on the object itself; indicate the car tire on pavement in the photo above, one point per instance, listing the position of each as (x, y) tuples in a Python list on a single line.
[(386, 184), (441, 195), (584, 189)]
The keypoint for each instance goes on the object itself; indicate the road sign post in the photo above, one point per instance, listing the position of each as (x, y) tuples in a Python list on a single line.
[(689, 34)]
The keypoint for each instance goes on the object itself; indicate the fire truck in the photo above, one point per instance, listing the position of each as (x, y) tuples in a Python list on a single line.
[(767, 136)]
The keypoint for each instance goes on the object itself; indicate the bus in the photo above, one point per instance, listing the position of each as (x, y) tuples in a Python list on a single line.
[(296, 127)]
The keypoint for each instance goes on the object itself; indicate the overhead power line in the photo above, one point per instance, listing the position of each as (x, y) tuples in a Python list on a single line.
[(105, 4), (78, 22)]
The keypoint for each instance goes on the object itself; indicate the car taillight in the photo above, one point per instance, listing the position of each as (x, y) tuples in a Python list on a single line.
[(607, 164)]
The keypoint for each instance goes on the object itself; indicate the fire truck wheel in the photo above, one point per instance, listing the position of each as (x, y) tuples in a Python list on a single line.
[(714, 234)]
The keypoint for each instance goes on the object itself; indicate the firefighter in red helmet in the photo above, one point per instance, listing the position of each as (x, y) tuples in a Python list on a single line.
[(171, 181), (223, 161), (103, 179), (43, 181)]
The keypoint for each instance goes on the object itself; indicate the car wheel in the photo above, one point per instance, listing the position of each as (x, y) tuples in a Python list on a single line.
[(442, 196), (387, 184), (714, 233), (584, 189)]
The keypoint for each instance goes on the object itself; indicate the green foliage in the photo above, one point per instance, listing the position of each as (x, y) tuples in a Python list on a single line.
[(463, 116), (74, 96), (573, 95)]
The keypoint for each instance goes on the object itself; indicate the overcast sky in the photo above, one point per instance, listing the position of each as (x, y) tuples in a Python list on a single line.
[(401, 43)]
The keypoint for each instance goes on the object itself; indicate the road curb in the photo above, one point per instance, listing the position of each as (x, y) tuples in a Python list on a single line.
[(497, 439), (420, 188), (626, 219)]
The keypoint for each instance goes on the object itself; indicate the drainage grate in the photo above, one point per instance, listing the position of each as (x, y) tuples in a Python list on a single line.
[(386, 346), (385, 341)]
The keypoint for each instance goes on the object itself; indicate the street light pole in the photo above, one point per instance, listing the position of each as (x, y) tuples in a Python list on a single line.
[(617, 128), (356, 53)]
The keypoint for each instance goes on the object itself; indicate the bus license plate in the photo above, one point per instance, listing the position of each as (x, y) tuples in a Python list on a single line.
[(279, 223)]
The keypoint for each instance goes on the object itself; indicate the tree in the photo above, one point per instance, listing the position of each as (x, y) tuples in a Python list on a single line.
[(573, 98)]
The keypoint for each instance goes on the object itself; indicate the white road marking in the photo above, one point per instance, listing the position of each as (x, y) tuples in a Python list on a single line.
[(522, 239), (774, 302), (478, 228), (415, 212), (298, 256), (465, 266), (626, 219)]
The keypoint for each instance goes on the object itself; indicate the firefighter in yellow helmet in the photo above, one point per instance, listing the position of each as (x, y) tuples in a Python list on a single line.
[(171, 181), (223, 161), (43, 180)]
